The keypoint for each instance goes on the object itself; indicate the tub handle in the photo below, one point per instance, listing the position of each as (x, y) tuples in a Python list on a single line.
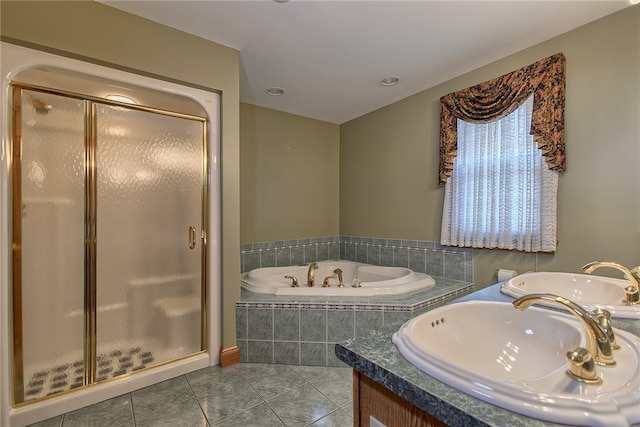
[(325, 282), (294, 281)]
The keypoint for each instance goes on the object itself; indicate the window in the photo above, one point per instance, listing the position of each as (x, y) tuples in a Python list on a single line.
[(501, 194), (501, 149)]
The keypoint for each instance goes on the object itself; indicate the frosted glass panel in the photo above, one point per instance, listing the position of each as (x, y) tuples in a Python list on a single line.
[(52, 214), (149, 192)]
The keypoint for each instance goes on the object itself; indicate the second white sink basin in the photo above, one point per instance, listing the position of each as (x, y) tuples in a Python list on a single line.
[(584, 289), (516, 360)]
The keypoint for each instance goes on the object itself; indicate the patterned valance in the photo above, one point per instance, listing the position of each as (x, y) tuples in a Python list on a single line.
[(499, 97)]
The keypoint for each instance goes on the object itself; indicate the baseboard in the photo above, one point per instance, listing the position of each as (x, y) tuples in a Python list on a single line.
[(229, 356)]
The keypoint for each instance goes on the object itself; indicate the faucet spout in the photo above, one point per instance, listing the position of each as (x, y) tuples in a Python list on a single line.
[(633, 274), (311, 274), (632, 293), (597, 340), (338, 272)]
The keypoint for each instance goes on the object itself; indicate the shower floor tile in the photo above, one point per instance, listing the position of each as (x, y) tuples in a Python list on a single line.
[(49, 380), (248, 394)]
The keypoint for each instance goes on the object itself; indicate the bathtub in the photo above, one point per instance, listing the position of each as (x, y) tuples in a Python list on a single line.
[(374, 280)]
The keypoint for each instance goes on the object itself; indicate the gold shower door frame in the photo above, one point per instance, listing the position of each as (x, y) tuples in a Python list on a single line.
[(90, 241)]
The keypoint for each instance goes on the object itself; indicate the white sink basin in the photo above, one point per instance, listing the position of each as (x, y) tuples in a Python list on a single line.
[(516, 360), (583, 289)]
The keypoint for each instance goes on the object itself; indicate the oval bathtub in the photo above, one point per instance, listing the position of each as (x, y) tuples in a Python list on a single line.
[(374, 280)]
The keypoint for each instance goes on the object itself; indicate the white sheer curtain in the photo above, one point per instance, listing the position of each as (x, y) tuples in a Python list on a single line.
[(501, 193)]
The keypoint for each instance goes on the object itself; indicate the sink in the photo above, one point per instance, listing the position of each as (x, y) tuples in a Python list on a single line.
[(516, 360), (583, 289)]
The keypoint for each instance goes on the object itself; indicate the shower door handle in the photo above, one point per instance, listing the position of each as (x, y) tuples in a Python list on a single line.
[(192, 237)]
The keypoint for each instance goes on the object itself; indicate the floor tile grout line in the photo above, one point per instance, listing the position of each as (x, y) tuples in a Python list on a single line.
[(204, 414), (219, 422), (209, 422), (133, 410), (286, 391), (289, 390), (322, 417), (193, 395), (274, 413), (327, 396), (275, 397), (265, 401)]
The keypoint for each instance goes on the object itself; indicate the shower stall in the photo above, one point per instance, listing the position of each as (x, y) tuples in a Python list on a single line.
[(109, 211)]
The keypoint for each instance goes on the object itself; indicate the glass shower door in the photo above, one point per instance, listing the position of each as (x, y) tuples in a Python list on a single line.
[(149, 218), (48, 244), (109, 240)]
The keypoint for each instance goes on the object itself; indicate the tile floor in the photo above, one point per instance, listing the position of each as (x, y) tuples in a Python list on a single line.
[(247, 394)]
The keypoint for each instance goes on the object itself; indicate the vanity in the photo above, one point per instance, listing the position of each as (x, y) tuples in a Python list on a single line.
[(390, 389)]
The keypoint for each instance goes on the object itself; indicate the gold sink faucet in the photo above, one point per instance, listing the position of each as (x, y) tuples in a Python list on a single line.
[(311, 274), (633, 291), (597, 344)]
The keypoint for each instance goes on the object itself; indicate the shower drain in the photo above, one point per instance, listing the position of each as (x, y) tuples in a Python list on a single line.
[(48, 381)]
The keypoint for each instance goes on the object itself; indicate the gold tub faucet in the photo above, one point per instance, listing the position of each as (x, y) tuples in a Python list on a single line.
[(311, 274), (597, 344)]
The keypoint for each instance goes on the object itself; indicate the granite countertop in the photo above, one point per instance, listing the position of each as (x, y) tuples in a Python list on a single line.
[(378, 358)]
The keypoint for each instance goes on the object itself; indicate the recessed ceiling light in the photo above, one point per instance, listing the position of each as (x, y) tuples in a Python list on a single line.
[(389, 81), (275, 91)]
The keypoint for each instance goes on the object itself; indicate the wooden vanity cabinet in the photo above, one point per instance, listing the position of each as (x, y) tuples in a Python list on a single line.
[(373, 399)]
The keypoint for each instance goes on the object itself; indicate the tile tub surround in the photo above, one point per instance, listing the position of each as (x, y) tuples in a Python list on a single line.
[(420, 256), (304, 330), (295, 330), (378, 358), (281, 253)]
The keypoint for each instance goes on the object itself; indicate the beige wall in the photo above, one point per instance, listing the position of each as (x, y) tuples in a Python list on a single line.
[(387, 174), (389, 158), (97, 33), (289, 176)]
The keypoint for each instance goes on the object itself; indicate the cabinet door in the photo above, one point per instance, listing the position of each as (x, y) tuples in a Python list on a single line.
[(371, 399)]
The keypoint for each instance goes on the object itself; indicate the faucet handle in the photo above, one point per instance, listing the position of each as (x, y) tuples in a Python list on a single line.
[(631, 295), (325, 282), (604, 320), (583, 367)]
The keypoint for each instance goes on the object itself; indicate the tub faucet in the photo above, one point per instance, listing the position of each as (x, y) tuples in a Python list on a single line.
[(597, 344), (633, 274), (311, 274), (294, 281), (338, 272)]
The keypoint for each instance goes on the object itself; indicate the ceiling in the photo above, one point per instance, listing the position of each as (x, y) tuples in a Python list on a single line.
[(329, 56)]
